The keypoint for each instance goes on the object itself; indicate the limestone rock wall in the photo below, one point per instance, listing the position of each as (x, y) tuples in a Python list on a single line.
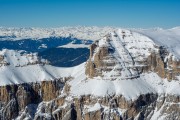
[(97, 61), (14, 98), (50, 90)]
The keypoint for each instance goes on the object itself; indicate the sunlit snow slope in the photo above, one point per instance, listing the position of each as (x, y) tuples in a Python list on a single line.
[(20, 67)]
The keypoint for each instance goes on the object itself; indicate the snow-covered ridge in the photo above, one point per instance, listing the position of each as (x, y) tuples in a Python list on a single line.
[(19, 58), (18, 67), (34, 73)]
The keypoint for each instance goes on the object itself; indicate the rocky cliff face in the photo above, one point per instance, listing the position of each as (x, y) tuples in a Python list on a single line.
[(106, 107), (119, 62), (15, 98)]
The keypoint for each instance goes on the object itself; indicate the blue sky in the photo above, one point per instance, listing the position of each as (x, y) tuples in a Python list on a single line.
[(121, 13)]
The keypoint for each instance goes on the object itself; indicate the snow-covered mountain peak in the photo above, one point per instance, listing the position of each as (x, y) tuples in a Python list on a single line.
[(136, 43), (120, 53)]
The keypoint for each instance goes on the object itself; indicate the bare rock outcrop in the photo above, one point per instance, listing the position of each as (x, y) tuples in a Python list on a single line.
[(99, 60), (163, 64)]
